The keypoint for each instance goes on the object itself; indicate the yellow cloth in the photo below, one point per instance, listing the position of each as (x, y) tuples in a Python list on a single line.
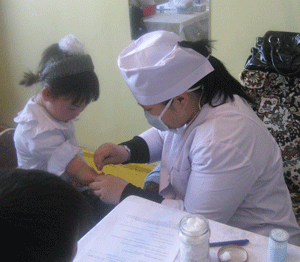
[(132, 173)]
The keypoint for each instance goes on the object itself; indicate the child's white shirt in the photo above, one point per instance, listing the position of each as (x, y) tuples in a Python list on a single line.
[(43, 142)]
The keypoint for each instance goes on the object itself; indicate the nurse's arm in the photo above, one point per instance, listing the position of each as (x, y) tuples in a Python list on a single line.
[(154, 141), (113, 189), (116, 154), (109, 188)]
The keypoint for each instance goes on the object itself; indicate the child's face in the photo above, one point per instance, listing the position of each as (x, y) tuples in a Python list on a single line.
[(63, 110)]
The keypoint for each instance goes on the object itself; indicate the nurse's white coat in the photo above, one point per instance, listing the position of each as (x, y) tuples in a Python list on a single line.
[(226, 166)]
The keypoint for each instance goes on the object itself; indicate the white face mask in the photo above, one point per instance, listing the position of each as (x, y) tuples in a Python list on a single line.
[(157, 122)]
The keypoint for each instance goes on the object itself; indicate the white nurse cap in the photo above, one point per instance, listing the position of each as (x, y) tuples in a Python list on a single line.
[(156, 68)]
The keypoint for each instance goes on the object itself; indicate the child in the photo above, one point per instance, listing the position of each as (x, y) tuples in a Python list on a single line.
[(41, 215), (45, 136)]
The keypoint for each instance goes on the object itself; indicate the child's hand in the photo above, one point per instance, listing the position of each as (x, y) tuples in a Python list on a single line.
[(81, 172), (86, 175)]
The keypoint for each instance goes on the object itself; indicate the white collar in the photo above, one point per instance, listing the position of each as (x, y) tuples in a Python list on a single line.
[(36, 119)]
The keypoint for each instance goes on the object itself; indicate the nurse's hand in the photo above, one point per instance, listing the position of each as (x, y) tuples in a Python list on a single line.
[(109, 188), (110, 154)]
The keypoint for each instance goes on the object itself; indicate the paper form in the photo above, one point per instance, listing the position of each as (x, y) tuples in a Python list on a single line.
[(134, 231)]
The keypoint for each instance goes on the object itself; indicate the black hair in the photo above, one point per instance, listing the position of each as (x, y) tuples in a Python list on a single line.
[(81, 87), (40, 216), (219, 83)]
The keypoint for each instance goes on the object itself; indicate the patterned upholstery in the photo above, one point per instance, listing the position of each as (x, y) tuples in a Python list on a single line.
[(278, 106)]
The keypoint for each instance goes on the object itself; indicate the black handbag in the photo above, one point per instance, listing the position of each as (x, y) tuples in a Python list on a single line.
[(277, 52)]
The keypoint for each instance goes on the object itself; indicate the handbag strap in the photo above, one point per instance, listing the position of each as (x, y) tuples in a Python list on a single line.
[(273, 45)]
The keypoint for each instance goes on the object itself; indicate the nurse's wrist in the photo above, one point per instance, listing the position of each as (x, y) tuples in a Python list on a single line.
[(128, 152), (139, 150)]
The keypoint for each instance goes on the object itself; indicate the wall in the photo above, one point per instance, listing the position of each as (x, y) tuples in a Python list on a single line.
[(235, 24), (28, 27)]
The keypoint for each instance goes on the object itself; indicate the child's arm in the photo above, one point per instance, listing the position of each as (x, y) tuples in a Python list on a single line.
[(80, 171)]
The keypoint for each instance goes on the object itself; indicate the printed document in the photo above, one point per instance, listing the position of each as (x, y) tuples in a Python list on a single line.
[(136, 230)]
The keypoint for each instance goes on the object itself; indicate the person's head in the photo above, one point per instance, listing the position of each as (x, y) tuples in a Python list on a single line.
[(172, 79), (41, 216), (69, 82)]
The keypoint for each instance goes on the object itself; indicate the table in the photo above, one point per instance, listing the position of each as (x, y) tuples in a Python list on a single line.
[(256, 248), (191, 27), (92, 247), (169, 7)]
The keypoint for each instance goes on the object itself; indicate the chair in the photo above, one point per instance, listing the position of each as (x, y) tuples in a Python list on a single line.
[(278, 106), (8, 154)]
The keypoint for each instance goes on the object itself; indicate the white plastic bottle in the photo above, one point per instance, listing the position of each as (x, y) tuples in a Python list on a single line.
[(194, 234), (278, 241)]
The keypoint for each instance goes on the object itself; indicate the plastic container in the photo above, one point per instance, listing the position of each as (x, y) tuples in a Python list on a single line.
[(278, 241), (232, 253), (194, 234)]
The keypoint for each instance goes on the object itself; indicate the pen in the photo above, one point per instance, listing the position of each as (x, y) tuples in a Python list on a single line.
[(241, 242)]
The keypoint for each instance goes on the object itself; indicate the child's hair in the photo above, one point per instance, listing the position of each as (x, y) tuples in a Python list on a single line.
[(42, 215), (219, 83), (68, 71)]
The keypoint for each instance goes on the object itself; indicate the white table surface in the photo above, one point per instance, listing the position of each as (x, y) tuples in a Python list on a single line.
[(170, 8), (256, 248)]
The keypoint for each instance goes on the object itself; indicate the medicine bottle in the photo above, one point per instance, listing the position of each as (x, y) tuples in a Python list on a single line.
[(194, 236), (278, 241)]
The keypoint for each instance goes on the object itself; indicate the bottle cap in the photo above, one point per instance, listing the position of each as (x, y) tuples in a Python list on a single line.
[(279, 235)]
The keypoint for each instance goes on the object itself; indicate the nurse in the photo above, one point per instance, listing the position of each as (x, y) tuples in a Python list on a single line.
[(217, 157)]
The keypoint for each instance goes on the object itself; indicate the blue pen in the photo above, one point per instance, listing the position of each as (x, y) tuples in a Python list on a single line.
[(241, 242)]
